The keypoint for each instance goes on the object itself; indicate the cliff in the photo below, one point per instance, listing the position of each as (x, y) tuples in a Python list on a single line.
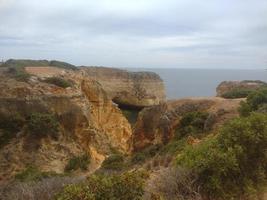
[(130, 89), (157, 124), (231, 86), (88, 121)]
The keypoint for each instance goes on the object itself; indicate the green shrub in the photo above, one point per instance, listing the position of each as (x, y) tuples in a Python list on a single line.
[(254, 101), (60, 64), (234, 163), (114, 162), (19, 74), (18, 63), (43, 125), (10, 125), (11, 122), (237, 93), (60, 82), (146, 153), (174, 147), (126, 186), (78, 162), (192, 123), (32, 173), (75, 192)]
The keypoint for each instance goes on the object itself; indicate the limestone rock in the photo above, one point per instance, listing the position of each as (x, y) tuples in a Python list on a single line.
[(157, 124), (136, 89), (89, 122)]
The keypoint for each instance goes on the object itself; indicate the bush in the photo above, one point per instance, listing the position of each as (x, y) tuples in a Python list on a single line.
[(145, 154), (114, 162), (174, 147), (78, 162), (19, 74), (11, 122), (32, 173), (10, 125), (192, 123), (254, 101), (174, 183), (233, 164), (60, 64), (100, 187), (60, 82), (237, 93), (17, 63), (43, 125), (75, 192)]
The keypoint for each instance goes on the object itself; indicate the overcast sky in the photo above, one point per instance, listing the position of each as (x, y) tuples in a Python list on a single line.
[(137, 33)]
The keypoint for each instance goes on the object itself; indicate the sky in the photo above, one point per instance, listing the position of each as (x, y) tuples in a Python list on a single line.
[(137, 33)]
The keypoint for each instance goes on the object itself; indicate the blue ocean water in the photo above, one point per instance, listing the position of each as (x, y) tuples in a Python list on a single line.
[(181, 83)]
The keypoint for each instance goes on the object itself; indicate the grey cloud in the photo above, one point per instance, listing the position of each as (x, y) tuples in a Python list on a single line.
[(120, 34)]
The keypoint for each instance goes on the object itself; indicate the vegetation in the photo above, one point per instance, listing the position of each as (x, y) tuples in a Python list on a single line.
[(32, 173), (44, 189), (43, 125), (19, 74), (100, 187), (145, 154), (224, 164), (114, 162), (60, 82), (255, 101), (192, 123), (60, 64), (16, 63), (78, 162), (10, 124), (174, 147), (237, 93)]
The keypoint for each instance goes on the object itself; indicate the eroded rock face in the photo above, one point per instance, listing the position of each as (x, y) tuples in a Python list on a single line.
[(89, 122), (157, 124), (133, 89), (228, 86)]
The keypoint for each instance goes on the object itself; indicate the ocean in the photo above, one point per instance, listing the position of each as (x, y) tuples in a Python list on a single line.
[(180, 83)]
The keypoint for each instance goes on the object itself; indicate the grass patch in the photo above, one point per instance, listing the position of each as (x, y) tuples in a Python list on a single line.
[(114, 162), (32, 173), (43, 125), (145, 154), (237, 93), (19, 74), (60, 82), (17, 63), (78, 162)]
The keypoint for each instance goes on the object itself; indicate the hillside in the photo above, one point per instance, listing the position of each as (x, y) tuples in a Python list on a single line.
[(111, 134)]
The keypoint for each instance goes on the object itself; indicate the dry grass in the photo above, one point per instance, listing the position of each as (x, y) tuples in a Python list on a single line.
[(172, 184), (42, 190)]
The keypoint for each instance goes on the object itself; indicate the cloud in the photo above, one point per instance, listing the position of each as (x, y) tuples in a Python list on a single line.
[(132, 33)]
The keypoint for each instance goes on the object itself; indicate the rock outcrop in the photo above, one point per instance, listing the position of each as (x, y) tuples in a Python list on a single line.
[(157, 124), (132, 89), (228, 86), (89, 122)]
